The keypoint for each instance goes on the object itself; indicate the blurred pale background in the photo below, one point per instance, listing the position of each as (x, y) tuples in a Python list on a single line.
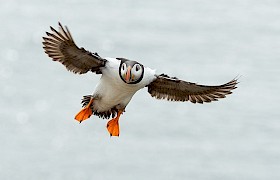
[(208, 42)]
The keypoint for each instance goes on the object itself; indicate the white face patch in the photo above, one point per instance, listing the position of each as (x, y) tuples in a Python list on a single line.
[(136, 72), (123, 70)]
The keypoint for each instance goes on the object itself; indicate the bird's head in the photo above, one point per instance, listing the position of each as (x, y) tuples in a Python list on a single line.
[(131, 72)]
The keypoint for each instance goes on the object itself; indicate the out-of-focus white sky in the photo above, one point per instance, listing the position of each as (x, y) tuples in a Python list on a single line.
[(208, 42)]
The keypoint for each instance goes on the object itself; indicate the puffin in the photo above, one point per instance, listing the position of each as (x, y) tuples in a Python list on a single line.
[(120, 79)]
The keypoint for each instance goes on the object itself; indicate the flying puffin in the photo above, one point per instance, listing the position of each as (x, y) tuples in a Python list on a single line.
[(121, 79)]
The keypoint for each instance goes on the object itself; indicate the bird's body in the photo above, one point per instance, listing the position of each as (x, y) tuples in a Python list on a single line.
[(112, 92), (121, 78)]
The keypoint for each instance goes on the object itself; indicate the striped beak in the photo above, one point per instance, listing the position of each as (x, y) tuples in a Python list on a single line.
[(128, 74)]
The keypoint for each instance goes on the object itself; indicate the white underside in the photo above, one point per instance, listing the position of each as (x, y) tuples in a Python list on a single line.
[(113, 91)]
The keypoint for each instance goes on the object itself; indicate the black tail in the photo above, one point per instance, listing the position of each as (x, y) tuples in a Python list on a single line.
[(86, 99)]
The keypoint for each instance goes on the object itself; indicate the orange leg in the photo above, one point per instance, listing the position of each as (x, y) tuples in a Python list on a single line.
[(113, 125), (85, 113)]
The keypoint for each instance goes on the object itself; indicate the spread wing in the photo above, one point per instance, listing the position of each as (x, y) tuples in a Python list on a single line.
[(171, 88), (60, 46)]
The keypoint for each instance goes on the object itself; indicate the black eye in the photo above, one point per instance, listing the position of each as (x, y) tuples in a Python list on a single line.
[(123, 66), (137, 67)]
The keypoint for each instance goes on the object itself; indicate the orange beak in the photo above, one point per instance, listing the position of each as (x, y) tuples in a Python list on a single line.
[(127, 76)]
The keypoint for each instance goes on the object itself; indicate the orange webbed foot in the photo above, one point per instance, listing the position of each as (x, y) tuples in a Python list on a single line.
[(113, 125), (85, 113)]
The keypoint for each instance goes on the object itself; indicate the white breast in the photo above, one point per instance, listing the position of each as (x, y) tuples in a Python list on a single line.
[(113, 91)]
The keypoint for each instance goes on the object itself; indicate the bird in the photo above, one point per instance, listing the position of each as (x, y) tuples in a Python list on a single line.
[(120, 79)]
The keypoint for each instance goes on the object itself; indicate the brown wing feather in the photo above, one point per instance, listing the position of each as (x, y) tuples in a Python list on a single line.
[(171, 88), (60, 46)]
